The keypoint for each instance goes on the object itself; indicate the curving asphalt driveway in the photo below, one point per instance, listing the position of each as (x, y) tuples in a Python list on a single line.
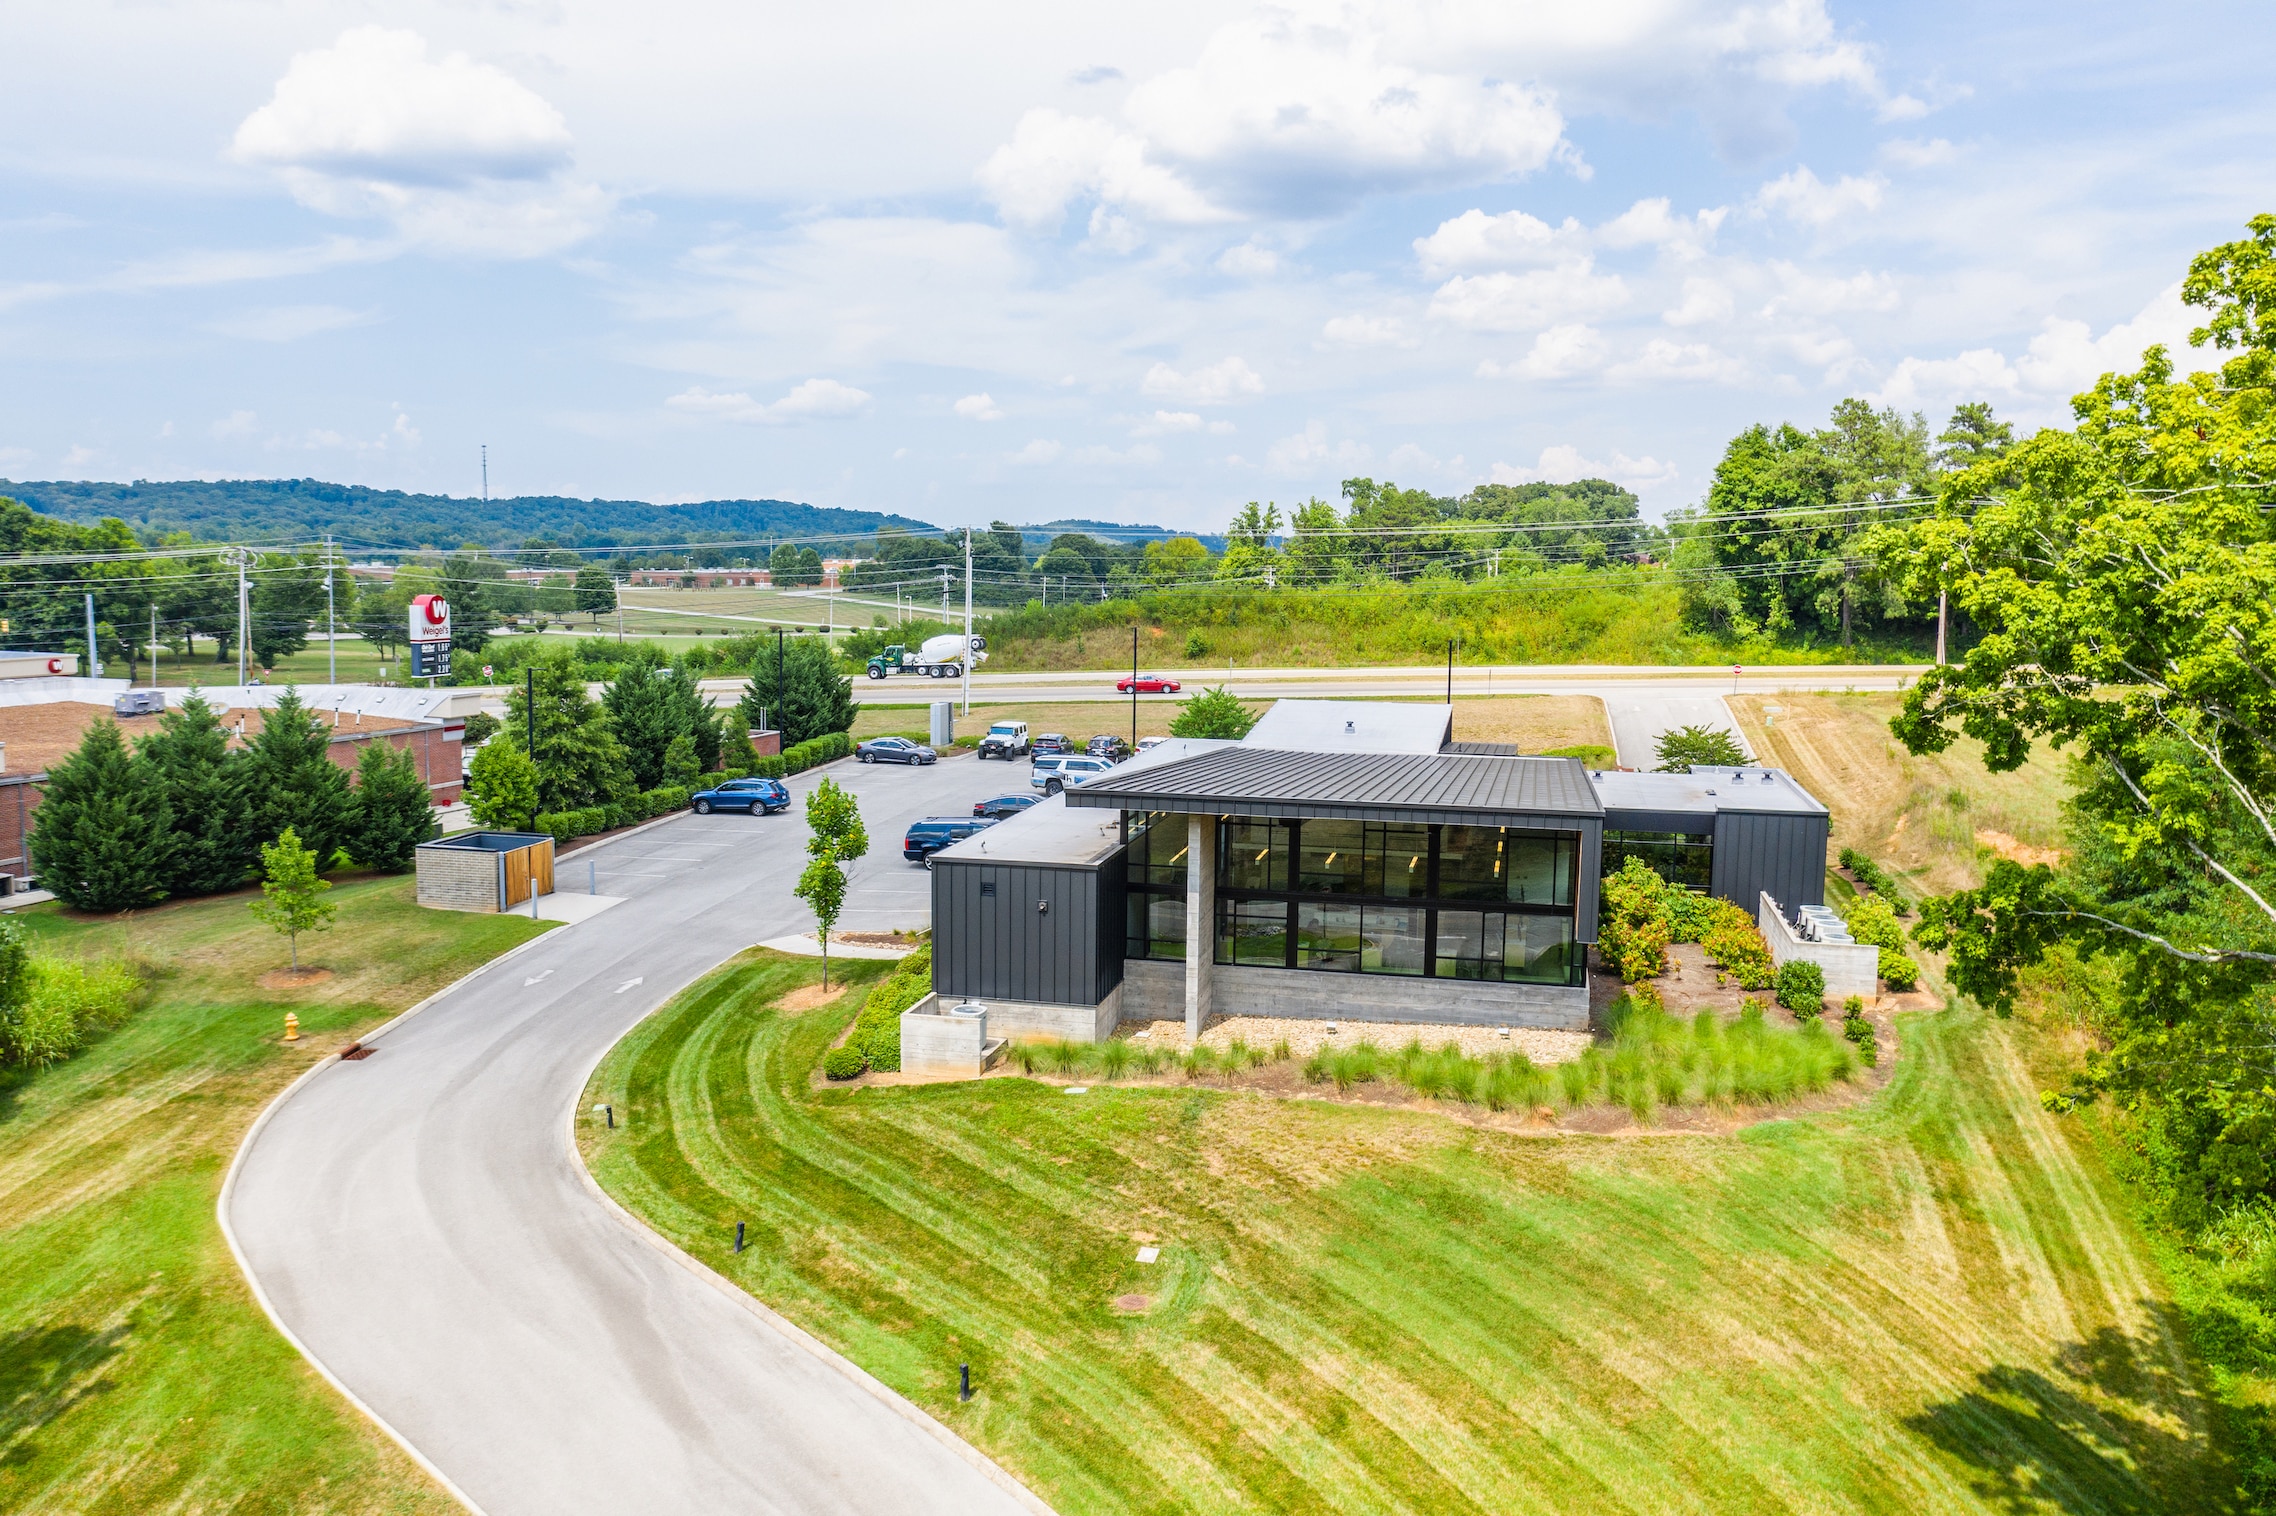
[(417, 1219)]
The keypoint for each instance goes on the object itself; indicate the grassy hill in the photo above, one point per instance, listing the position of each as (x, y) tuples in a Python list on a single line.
[(245, 510)]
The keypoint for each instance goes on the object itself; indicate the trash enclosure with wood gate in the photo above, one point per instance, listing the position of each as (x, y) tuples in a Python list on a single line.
[(485, 871)]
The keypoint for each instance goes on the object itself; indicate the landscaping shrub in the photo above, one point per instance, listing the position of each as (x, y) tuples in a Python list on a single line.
[(1633, 931), (1735, 944), (1115, 1058), (1858, 1030), (666, 798), (1872, 920), (877, 1030), (843, 1063), (816, 750), (1874, 878), (1801, 987), (771, 767), (65, 1004)]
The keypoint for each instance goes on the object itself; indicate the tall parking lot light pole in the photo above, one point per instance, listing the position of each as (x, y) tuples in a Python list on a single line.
[(968, 621)]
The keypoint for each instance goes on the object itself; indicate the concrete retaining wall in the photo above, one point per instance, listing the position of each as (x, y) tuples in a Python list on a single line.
[(1155, 991), (936, 1043), (1034, 1020), (1851, 968)]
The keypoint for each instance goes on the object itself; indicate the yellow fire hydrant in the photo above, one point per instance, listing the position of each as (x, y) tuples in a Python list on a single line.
[(292, 1027)]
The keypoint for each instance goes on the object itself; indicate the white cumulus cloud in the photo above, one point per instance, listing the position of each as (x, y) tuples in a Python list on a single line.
[(2064, 358), (1311, 450), (1563, 463), (1506, 302), (1477, 240), (1054, 159), (1803, 197), (980, 407), (812, 400), (1811, 294), (1364, 331), (1662, 359), (454, 153), (1704, 300), (1561, 352), (1224, 380)]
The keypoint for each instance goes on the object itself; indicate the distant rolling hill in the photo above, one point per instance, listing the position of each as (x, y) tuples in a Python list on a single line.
[(277, 510)]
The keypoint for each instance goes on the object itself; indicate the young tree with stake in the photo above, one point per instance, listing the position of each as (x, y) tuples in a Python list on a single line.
[(833, 820)]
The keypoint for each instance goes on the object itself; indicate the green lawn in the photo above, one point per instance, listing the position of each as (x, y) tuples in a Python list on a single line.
[(137, 1374), (1933, 1302)]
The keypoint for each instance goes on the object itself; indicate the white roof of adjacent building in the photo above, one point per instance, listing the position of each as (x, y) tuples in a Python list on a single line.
[(1050, 832), (368, 699), (1706, 790), (1352, 726)]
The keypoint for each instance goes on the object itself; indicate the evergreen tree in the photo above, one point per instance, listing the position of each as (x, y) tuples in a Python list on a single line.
[(645, 712), (215, 846), (291, 780), (807, 698), (679, 762), (392, 812), (579, 760), (702, 716), (102, 838), (735, 750)]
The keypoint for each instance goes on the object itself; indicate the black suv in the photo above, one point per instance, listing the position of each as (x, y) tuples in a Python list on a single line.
[(1112, 749), (930, 835)]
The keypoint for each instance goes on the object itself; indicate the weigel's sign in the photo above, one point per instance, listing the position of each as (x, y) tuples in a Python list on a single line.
[(430, 637), (430, 619)]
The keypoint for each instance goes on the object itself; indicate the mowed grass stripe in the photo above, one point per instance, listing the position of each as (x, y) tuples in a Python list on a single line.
[(1921, 1304)]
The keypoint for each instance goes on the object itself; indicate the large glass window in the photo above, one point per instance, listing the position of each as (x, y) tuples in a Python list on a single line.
[(1157, 926), (1505, 946), (1511, 864), (1253, 854), (1158, 849), (1482, 903), (1683, 858), (1331, 857), (1327, 936), (1253, 931)]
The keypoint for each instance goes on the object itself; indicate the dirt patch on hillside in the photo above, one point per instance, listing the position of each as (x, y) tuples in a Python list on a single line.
[(292, 979), (2022, 852)]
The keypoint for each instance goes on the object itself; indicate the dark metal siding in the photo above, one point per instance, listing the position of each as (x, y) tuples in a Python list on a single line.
[(1113, 930), (1002, 947), (1592, 873), (1783, 854)]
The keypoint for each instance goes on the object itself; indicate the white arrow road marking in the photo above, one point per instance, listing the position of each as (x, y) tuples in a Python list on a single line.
[(628, 984), (526, 983)]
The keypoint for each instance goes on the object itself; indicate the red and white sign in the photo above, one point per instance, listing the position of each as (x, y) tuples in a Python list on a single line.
[(430, 619)]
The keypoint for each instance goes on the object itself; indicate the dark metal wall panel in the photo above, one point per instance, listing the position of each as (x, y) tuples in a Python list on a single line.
[(1592, 875), (1782, 854), (1035, 936), (1110, 909)]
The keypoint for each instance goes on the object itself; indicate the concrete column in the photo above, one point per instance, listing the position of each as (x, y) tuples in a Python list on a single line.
[(1200, 918)]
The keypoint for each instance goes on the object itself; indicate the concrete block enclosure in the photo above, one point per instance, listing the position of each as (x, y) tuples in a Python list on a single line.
[(1345, 859), (485, 871)]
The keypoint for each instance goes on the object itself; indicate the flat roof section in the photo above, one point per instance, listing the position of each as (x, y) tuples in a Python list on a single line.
[(1443, 787), (1352, 726), (1704, 792), (1046, 832)]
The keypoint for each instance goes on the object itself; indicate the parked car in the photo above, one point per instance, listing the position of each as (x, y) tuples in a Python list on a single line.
[(1003, 805), (1112, 749), (1050, 742), (927, 837), (757, 797), (1006, 740), (1148, 684), (1069, 772), (895, 750), (1145, 743)]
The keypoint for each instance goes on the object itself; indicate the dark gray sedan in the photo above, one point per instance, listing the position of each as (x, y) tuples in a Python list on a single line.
[(895, 750)]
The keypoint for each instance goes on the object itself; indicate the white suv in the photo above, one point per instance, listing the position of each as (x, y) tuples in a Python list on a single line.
[(1067, 773)]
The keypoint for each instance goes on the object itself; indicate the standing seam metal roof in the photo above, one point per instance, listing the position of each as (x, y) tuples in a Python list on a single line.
[(1265, 780)]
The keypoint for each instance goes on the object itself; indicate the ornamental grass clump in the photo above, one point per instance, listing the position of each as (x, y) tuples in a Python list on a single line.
[(1361, 1063), (1115, 1058)]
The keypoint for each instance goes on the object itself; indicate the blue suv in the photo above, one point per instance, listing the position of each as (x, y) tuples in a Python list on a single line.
[(759, 797)]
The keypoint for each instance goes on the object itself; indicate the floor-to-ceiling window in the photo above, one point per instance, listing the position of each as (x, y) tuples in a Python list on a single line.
[(1155, 884), (1370, 897)]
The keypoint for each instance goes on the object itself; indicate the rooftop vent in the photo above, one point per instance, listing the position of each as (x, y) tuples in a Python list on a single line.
[(1350, 726)]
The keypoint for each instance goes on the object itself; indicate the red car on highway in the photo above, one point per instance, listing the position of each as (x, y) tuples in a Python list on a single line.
[(1147, 684)]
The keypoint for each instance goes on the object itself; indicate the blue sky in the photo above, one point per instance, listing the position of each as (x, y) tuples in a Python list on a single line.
[(1043, 260)]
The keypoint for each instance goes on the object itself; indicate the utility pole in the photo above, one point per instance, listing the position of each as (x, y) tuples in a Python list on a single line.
[(776, 713), (529, 699), (331, 621), (94, 658), (154, 644), (244, 614), (968, 621), (1133, 687), (944, 594), (485, 473)]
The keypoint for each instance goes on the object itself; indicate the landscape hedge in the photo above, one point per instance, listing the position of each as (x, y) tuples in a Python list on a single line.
[(814, 750), (877, 1030)]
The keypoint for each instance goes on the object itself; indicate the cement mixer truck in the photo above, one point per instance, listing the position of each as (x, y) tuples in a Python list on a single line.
[(941, 657)]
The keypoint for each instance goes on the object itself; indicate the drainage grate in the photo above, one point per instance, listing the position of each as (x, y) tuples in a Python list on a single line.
[(355, 1051)]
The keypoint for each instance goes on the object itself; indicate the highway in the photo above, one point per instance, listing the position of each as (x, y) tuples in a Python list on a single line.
[(419, 1222)]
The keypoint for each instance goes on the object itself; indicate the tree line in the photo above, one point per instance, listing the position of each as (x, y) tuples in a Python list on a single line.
[(181, 812)]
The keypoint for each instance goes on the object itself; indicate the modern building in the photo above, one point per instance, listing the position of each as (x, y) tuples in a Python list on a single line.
[(1344, 860)]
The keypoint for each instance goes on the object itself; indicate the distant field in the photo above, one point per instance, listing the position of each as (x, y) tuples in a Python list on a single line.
[(1534, 722), (137, 1373), (1933, 1302), (734, 611)]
